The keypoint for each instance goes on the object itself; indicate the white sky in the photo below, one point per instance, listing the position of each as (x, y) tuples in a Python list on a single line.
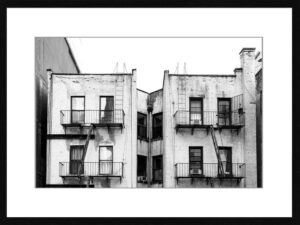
[(151, 56)]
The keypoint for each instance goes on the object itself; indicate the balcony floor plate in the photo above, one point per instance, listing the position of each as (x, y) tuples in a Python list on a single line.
[(108, 125), (94, 124)]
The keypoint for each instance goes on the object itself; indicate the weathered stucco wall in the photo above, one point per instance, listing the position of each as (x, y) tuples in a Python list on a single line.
[(142, 145), (157, 101), (247, 57), (92, 87), (209, 88), (142, 101)]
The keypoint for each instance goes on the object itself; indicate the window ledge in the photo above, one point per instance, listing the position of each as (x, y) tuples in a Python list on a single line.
[(143, 139), (157, 139)]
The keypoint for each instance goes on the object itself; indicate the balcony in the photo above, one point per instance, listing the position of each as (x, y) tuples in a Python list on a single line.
[(91, 169), (209, 171), (99, 118), (230, 120)]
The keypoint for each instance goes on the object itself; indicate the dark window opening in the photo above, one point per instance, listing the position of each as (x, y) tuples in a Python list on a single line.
[(196, 161), (157, 126), (142, 126), (106, 109), (106, 160), (142, 168), (226, 160), (77, 109), (157, 173), (224, 111), (196, 111), (76, 152)]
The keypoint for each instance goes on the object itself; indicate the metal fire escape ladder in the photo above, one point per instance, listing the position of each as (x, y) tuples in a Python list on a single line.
[(220, 165), (182, 92), (119, 92)]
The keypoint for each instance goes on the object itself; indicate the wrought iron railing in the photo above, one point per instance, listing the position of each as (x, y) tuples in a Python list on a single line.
[(91, 117), (206, 118), (237, 102), (104, 168), (210, 170)]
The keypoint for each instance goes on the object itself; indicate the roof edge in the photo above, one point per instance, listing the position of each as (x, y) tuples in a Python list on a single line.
[(161, 89), (94, 74), (142, 91), (72, 55), (204, 75)]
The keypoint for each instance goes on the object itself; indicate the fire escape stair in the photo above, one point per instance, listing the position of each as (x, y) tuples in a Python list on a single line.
[(84, 151), (220, 165)]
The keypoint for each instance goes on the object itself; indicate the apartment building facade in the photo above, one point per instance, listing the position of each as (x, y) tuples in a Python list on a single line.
[(197, 131)]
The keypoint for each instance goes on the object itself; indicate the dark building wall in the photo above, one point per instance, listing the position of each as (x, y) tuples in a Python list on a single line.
[(259, 127), (50, 53)]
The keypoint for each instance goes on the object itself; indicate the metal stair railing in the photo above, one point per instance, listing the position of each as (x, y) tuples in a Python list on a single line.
[(85, 149), (220, 165)]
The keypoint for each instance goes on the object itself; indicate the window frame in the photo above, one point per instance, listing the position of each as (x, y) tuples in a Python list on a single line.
[(113, 110), (190, 107), (154, 131), (201, 162), (112, 159), (73, 161), (143, 126), (71, 103), (229, 149), (145, 172), (230, 111), (154, 180)]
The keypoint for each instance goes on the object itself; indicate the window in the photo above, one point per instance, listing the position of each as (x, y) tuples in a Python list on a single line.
[(157, 168), (142, 126), (226, 160), (224, 111), (196, 160), (77, 109), (196, 110), (142, 168), (106, 109), (157, 126), (106, 160), (76, 152)]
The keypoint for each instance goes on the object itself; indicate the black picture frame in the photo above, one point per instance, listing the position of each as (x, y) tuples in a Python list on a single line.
[(163, 220)]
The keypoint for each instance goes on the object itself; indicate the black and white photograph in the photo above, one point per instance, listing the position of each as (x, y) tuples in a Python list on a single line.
[(149, 113), (97, 127)]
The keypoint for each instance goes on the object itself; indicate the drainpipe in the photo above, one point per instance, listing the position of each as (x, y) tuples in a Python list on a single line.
[(49, 126), (149, 130)]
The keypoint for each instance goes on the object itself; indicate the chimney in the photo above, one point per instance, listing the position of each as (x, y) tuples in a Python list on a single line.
[(247, 56)]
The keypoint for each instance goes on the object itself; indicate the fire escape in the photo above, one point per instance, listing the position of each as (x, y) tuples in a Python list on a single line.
[(92, 120), (210, 122)]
